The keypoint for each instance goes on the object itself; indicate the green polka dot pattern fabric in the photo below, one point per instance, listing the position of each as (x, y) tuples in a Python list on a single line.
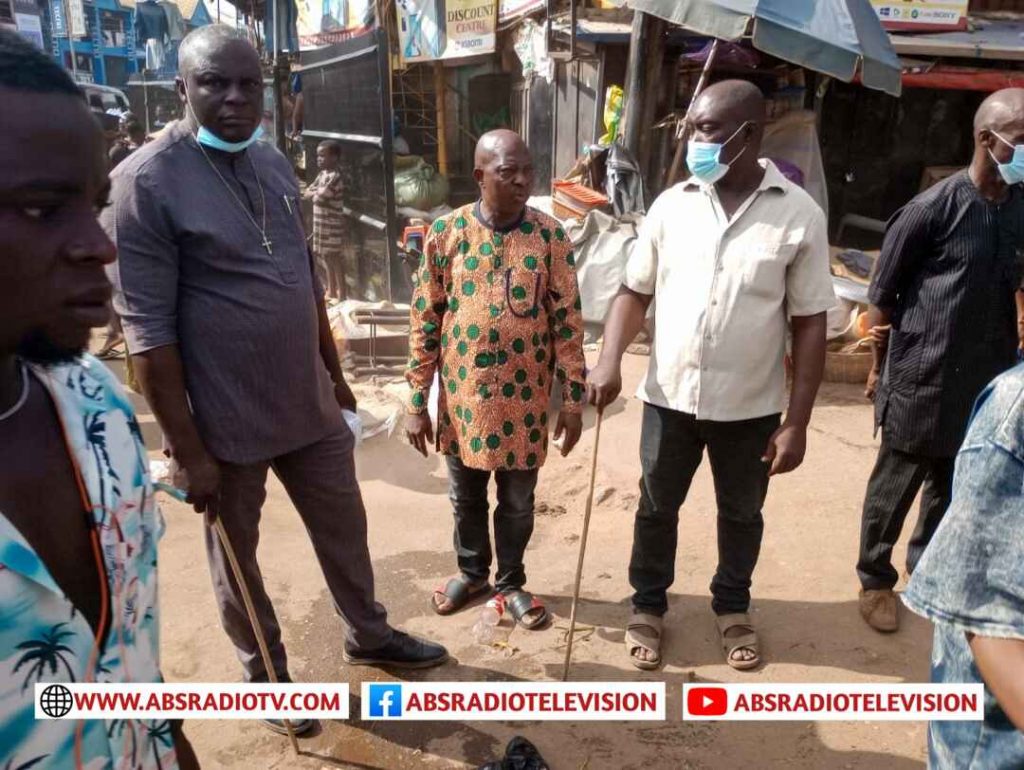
[(497, 315)]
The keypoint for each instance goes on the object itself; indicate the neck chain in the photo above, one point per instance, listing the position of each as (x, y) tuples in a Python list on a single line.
[(245, 209), (24, 394)]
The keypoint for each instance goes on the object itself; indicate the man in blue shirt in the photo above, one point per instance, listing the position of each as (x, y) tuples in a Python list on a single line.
[(970, 583)]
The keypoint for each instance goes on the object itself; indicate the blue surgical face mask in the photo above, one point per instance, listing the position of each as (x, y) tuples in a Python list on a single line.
[(207, 138), (1012, 172), (703, 158)]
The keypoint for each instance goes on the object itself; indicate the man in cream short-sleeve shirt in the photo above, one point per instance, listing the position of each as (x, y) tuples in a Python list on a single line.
[(731, 258)]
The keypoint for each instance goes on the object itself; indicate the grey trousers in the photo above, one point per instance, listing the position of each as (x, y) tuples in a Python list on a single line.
[(894, 484), (321, 482)]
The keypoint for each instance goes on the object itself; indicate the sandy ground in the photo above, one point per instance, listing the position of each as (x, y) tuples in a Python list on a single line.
[(804, 606)]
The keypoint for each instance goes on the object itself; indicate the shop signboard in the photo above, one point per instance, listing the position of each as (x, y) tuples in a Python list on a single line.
[(325, 22), (61, 11), (922, 15), (446, 29), (30, 26), (76, 13)]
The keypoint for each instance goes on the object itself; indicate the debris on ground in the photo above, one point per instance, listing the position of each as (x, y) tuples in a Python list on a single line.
[(548, 509)]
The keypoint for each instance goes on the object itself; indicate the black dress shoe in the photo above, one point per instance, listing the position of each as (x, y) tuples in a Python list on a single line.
[(403, 651), (299, 726)]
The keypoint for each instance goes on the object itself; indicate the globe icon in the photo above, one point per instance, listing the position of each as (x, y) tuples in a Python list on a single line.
[(55, 701)]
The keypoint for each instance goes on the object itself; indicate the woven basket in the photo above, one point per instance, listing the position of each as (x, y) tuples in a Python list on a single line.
[(848, 367)]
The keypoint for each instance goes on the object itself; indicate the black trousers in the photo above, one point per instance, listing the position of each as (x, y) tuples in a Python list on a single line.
[(513, 522), (671, 449), (894, 483)]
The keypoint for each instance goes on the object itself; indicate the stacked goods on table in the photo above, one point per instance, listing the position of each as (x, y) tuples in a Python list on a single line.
[(572, 200)]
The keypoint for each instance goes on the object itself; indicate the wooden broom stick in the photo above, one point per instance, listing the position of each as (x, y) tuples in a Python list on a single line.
[(222, 535), (583, 549)]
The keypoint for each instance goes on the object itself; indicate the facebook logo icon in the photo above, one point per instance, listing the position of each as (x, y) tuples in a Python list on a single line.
[(385, 700)]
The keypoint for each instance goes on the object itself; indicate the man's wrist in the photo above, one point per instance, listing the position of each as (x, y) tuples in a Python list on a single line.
[(609, 359), (190, 455), (796, 421)]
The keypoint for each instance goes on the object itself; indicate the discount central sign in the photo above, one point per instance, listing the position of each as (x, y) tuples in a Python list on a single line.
[(446, 29)]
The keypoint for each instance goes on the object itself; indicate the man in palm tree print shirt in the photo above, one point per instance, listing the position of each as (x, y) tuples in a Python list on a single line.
[(78, 525)]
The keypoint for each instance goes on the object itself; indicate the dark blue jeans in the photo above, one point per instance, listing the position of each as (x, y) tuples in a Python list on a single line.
[(671, 449), (513, 522)]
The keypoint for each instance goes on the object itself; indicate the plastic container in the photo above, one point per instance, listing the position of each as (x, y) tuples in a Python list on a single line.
[(355, 424), (493, 611), (483, 634), (490, 617)]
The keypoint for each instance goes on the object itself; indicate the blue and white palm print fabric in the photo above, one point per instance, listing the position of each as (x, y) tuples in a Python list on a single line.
[(42, 636)]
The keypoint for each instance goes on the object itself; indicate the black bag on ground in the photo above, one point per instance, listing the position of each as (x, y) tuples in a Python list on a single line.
[(520, 754)]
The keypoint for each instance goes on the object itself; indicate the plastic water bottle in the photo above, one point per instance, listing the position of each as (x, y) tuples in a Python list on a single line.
[(490, 617)]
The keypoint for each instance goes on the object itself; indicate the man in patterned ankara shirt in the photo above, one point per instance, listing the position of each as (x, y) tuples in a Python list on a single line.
[(496, 314)]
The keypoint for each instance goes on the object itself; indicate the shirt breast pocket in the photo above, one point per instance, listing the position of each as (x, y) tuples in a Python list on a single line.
[(764, 272), (289, 247), (523, 291)]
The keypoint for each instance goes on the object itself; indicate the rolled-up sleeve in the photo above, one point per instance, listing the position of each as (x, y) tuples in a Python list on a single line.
[(642, 266), (808, 278), (145, 275), (906, 240)]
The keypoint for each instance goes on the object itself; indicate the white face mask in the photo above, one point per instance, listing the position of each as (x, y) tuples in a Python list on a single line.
[(207, 138)]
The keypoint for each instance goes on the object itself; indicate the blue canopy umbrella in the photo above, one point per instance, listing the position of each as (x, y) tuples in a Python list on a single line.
[(835, 37)]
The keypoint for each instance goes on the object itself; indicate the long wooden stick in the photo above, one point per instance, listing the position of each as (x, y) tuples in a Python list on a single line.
[(243, 588), (687, 129), (583, 550)]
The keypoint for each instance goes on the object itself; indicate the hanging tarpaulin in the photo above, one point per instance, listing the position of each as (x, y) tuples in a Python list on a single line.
[(325, 22), (445, 29), (510, 10)]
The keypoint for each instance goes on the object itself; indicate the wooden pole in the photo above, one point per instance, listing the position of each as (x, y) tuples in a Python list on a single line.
[(686, 129), (280, 77), (243, 588), (71, 39), (633, 111), (441, 100), (654, 58), (583, 550)]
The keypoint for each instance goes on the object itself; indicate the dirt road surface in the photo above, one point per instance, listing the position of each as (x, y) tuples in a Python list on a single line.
[(804, 607)]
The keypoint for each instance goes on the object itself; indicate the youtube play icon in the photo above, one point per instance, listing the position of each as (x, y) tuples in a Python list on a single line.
[(707, 701)]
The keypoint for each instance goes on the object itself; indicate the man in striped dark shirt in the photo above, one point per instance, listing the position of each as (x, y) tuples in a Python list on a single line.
[(227, 327), (944, 285)]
